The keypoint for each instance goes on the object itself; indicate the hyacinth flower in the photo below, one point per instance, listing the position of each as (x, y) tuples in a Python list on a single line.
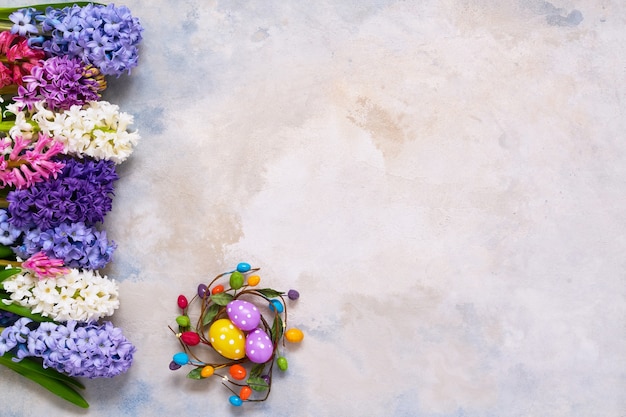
[(17, 59), (62, 82), (59, 345), (105, 36), (81, 295), (53, 354), (27, 162), (76, 244), (97, 129), (81, 192), (40, 265)]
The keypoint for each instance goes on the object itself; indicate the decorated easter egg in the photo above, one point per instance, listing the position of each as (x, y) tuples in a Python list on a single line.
[(259, 347), (227, 339), (243, 314)]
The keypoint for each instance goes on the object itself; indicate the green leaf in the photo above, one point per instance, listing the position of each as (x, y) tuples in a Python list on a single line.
[(20, 311), (34, 366), (222, 298), (6, 273), (195, 373), (210, 314), (269, 293), (55, 386), (257, 383), (277, 329), (257, 370), (6, 252)]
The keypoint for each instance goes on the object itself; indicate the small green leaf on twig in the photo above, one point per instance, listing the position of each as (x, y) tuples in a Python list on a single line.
[(222, 298)]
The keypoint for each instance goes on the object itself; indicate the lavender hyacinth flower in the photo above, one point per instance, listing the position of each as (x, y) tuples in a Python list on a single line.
[(82, 192), (8, 233), (103, 35), (24, 22), (75, 349), (76, 244), (62, 82)]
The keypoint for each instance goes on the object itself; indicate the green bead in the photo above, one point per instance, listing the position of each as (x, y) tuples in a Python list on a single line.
[(282, 363), (236, 280), (183, 321)]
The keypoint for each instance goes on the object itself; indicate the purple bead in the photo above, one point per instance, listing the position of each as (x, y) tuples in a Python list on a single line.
[(202, 290), (293, 294), (174, 366)]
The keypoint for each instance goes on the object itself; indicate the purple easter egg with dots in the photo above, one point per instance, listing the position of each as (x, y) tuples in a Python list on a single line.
[(244, 315), (259, 347)]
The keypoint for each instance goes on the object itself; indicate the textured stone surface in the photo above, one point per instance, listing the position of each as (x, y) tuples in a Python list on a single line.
[(443, 182)]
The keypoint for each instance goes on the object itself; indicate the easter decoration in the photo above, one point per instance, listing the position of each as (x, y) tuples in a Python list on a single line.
[(242, 330)]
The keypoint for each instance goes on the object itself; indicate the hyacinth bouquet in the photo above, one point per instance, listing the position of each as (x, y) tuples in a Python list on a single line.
[(60, 145)]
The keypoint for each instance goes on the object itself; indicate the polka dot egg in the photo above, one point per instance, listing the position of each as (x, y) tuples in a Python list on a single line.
[(259, 347), (243, 314), (227, 339)]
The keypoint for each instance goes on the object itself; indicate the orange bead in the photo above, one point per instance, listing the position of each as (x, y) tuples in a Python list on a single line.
[(254, 280), (217, 289), (245, 392), (207, 371), (294, 335), (237, 372)]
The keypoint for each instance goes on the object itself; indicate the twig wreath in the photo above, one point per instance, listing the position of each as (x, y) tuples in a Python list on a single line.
[(246, 328)]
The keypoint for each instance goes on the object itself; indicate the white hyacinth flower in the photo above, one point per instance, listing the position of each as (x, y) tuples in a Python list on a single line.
[(79, 295), (98, 129)]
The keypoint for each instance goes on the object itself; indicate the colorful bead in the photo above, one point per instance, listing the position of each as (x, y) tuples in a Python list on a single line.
[(174, 366), (294, 335), (182, 301), (207, 371), (217, 289), (202, 290), (236, 280), (254, 280), (243, 267), (237, 371), (190, 338), (282, 363), (276, 305), (181, 358), (235, 400), (183, 321), (293, 294), (245, 392)]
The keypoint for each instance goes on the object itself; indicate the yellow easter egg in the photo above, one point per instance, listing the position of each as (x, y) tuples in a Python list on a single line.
[(227, 339)]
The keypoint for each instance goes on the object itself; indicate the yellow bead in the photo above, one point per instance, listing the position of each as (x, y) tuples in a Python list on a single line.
[(254, 280), (294, 335), (207, 371)]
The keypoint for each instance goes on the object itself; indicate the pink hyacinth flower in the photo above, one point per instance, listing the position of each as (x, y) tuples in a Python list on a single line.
[(33, 165), (44, 267)]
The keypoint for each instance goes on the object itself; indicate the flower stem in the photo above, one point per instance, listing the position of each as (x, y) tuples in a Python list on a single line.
[(5, 262), (9, 89)]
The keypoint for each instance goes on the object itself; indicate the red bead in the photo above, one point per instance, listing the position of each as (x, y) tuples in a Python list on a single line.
[(190, 338), (182, 301), (217, 289)]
